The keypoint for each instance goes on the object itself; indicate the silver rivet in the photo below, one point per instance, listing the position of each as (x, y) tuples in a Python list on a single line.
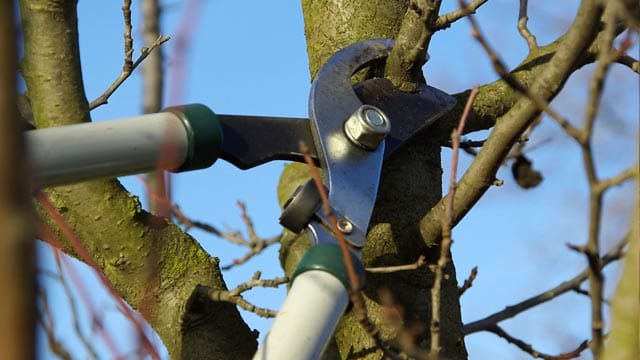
[(345, 226)]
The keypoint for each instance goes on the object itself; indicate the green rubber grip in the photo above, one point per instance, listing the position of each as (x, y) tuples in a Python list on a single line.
[(204, 134), (328, 257)]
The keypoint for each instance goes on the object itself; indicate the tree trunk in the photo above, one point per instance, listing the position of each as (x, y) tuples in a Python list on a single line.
[(410, 186)]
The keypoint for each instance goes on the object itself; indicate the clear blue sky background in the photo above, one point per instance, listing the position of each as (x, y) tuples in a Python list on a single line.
[(249, 57)]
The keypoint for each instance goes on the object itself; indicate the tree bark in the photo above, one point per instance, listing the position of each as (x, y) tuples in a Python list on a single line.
[(152, 263)]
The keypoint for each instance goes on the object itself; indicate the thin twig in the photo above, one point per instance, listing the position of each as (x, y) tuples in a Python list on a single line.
[(74, 308), (55, 346), (255, 244), (235, 296), (535, 353), (522, 26), (468, 282), (127, 70), (84, 255), (501, 70), (510, 311), (445, 21), (628, 174), (592, 247), (255, 250), (630, 62), (389, 269), (447, 224)]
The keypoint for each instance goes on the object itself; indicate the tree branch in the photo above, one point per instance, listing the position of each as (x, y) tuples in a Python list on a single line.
[(522, 26), (445, 21), (404, 64), (533, 352), (482, 171), (510, 311), (235, 296), (389, 269), (447, 224), (127, 70), (468, 282)]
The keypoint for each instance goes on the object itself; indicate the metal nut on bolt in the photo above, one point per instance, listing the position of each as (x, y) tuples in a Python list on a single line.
[(367, 127)]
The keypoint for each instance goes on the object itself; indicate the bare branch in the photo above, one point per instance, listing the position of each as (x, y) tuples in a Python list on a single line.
[(630, 62), (533, 352), (628, 174), (128, 40), (447, 224), (445, 21), (235, 296), (522, 26), (74, 308), (468, 282), (510, 311), (127, 70), (188, 223), (481, 173), (592, 246), (55, 345), (503, 72), (255, 250), (389, 269)]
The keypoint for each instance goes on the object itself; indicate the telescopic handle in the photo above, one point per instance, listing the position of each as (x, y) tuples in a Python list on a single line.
[(305, 323), (316, 301), (180, 138)]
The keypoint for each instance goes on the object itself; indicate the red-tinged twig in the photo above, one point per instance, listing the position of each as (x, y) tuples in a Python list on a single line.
[(84, 255), (495, 329), (73, 305), (468, 283), (47, 235), (359, 306), (447, 224), (184, 35), (354, 281)]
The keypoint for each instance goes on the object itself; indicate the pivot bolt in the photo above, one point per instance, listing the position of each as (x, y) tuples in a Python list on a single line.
[(367, 127), (345, 226)]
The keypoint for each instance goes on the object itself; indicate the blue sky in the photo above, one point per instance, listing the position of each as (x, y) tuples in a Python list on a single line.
[(250, 58)]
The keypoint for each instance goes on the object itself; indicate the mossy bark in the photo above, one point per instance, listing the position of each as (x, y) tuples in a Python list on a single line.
[(410, 185), (152, 263)]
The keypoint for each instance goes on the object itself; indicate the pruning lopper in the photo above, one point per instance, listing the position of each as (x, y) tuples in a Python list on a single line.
[(349, 133)]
